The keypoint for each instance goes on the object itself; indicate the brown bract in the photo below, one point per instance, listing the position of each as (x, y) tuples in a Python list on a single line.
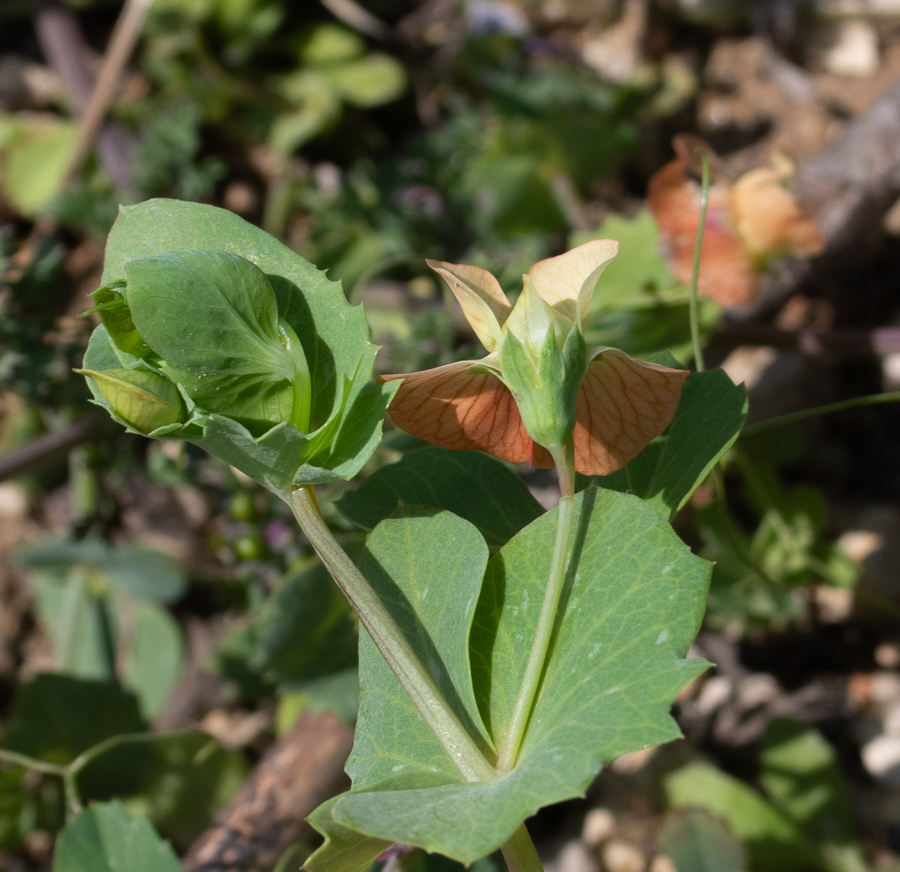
[(622, 403), (748, 223)]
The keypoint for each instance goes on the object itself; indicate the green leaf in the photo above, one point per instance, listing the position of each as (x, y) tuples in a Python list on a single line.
[(345, 850), (192, 777), (709, 419), (56, 717), (638, 270), (212, 317), (105, 838), (36, 153), (633, 602), (154, 656), (697, 842), (308, 606), (774, 843), (370, 81), (347, 406), (800, 773), (474, 486), (427, 567), (141, 572)]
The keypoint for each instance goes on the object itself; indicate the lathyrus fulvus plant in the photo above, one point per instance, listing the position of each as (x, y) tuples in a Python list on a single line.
[(491, 684)]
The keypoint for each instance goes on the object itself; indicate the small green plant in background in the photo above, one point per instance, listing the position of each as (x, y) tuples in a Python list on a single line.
[(565, 647)]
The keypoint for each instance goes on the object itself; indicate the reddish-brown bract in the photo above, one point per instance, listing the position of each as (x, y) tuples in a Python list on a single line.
[(623, 403)]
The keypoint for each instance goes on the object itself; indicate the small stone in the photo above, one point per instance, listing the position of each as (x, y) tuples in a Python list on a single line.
[(240, 197), (887, 655), (849, 48), (884, 689), (13, 502), (834, 604), (891, 721), (757, 689), (661, 863), (881, 757), (574, 856), (890, 370), (619, 856), (599, 825), (628, 764), (715, 693)]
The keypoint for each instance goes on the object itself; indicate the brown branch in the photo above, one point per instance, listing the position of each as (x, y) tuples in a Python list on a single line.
[(299, 772), (121, 44), (68, 54), (876, 342), (847, 187), (48, 449)]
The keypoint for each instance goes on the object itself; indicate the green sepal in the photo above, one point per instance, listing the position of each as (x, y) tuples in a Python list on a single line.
[(116, 318), (143, 401), (545, 387)]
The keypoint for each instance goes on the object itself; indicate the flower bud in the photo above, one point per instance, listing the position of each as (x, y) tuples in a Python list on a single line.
[(145, 401), (543, 359)]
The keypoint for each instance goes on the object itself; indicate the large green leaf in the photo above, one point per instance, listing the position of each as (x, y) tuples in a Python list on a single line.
[(105, 838), (347, 406), (800, 773), (709, 418), (474, 486), (774, 843), (426, 567), (633, 601)]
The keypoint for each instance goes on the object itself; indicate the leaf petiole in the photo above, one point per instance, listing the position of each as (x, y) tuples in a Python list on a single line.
[(537, 657)]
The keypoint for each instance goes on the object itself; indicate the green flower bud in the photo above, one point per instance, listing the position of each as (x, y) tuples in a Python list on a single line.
[(543, 359), (143, 400)]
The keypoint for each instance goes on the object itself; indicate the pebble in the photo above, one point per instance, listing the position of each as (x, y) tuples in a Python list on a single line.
[(13, 502), (599, 825), (881, 757), (757, 689), (848, 48), (574, 856), (715, 693), (887, 655), (619, 856), (661, 863), (884, 688)]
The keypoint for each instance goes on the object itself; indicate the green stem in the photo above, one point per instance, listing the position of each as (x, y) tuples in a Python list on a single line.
[(520, 854), (390, 641), (31, 763), (868, 400), (695, 272), (537, 658)]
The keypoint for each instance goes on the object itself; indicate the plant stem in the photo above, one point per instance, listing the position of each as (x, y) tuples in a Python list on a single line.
[(868, 400), (520, 854), (537, 658), (31, 763), (390, 641), (695, 273)]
